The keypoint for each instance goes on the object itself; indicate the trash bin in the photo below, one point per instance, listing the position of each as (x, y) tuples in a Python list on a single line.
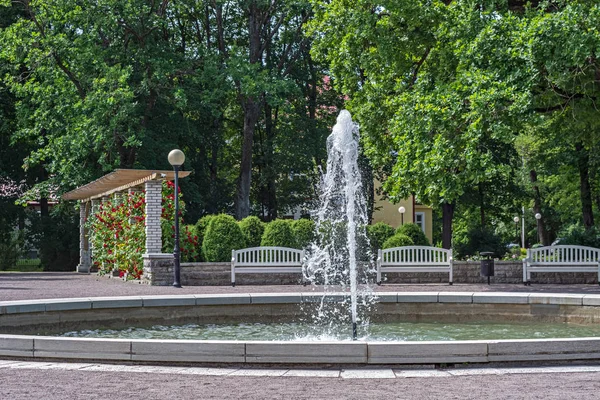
[(487, 265)]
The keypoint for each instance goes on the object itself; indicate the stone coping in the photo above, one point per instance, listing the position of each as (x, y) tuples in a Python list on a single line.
[(48, 305), (292, 352)]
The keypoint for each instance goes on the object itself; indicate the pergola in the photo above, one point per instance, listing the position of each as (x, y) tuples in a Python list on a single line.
[(115, 184)]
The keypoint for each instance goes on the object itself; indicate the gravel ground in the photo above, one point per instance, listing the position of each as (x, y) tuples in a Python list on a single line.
[(20, 384)]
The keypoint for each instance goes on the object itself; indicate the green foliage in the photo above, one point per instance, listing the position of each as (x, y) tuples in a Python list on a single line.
[(279, 233), (222, 236), (252, 228), (59, 239), (378, 233), (476, 241), (398, 240), (118, 236), (190, 245), (202, 225), (11, 248), (414, 232), (576, 234), (304, 231)]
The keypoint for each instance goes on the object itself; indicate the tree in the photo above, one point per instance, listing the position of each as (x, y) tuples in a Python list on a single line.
[(406, 70)]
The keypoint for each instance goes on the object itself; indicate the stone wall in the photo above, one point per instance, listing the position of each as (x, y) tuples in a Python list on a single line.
[(219, 274)]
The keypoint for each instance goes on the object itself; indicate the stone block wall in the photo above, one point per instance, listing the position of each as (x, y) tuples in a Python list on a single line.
[(160, 273)]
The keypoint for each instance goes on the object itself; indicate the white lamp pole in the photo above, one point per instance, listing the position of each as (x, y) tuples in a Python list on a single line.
[(402, 210), (538, 217), (516, 219), (176, 159)]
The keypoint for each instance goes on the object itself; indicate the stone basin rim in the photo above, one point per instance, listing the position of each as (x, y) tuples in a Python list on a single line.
[(291, 353)]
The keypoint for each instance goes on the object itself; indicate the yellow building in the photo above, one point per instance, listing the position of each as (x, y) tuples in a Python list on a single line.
[(386, 211)]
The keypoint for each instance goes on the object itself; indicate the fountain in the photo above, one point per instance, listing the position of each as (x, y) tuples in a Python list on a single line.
[(340, 261), (342, 245)]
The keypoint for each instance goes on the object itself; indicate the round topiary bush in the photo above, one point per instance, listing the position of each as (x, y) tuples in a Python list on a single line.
[(304, 231), (252, 229), (378, 233), (201, 225), (398, 240), (279, 233), (200, 231), (414, 232), (223, 234)]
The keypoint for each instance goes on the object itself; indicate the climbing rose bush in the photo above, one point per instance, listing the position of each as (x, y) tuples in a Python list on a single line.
[(118, 236), (118, 233)]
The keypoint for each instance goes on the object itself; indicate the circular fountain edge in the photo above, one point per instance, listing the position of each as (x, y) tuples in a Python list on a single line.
[(269, 352)]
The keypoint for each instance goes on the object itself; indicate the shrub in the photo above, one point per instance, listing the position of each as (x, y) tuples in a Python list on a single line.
[(398, 240), (478, 240), (200, 231), (378, 233), (304, 231), (189, 244), (11, 248), (222, 236), (201, 225), (577, 235), (414, 232), (252, 229), (279, 233)]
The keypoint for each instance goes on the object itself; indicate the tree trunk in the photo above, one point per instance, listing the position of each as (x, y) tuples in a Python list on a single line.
[(585, 190), (251, 114), (537, 208), (447, 216), (270, 195), (251, 107)]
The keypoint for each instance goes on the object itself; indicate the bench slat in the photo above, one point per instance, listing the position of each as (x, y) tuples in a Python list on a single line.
[(414, 259), (266, 260), (561, 258)]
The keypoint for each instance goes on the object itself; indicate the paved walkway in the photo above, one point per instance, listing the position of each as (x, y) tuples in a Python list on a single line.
[(65, 381), (51, 285)]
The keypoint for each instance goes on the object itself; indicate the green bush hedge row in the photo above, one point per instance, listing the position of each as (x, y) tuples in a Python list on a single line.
[(219, 234)]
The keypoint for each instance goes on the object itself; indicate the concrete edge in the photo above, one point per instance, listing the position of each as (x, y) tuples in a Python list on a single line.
[(262, 352)]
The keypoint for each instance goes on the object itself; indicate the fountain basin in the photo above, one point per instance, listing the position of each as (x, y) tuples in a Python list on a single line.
[(22, 321)]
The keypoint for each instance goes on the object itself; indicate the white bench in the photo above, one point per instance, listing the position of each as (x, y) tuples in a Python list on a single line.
[(561, 259), (266, 260), (414, 259)]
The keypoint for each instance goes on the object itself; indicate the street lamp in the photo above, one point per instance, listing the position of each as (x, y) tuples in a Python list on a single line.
[(538, 217), (176, 159), (516, 219), (402, 210)]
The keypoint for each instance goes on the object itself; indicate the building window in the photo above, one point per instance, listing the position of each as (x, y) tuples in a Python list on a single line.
[(420, 220)]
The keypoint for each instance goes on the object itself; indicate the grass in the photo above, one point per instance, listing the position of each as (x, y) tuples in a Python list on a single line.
[(27, 265)]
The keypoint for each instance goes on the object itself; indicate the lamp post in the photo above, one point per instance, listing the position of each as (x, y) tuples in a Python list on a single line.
[(516, 219), (176, 159), (538, 217), (402, 210)]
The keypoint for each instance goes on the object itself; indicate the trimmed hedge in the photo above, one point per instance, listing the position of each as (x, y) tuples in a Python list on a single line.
[(378, 233), (201, 226), (304, 231), (252, 229), (279, 233), (414, 232), (223, 234), (398, 240)]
